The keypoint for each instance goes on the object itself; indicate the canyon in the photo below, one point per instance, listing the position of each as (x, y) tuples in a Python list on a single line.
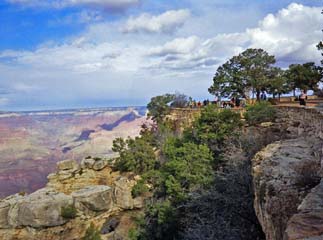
[(31, 143)]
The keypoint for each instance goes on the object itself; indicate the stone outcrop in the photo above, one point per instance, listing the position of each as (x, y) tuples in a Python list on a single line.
[(280, 184), (123, 196), (39, 209), (92, 189), (93, 198), (96, 164), (308, 222), (5, 206), (286, 175)]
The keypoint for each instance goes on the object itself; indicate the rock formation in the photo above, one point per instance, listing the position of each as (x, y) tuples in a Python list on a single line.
[(286, 176), (95, 192)]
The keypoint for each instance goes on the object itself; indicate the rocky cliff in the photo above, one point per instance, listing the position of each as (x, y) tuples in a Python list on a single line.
[(287, 178), (96, 194)]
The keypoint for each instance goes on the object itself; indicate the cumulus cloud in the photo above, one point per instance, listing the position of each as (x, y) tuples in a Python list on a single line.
[(176, 46), (291, 35), (166, 22), (118, 5), (3, 101), (103, 63)]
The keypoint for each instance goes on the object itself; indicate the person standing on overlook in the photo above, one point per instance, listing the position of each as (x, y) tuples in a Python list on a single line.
[(302, 98)]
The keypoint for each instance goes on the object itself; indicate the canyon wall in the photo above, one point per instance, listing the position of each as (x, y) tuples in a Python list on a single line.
[(287, 178)]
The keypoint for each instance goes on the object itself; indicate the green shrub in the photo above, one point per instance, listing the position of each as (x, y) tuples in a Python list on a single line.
[(214, 127), (92, 233), (68, 212), (135, 155), (139, 189), (133, 234), (260, 112), (188, 166)]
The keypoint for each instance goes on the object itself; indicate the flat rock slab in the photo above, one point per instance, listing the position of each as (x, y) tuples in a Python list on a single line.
[(39, 209), (308, 223), (94, 198)]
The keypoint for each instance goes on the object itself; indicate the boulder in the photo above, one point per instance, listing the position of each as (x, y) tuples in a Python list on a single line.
[(93, 199), (5, 205), (67, 165), (96, 164), (283, 173), (122, 193), (87, 163), (308, 222), (39, 210), (100, 164)]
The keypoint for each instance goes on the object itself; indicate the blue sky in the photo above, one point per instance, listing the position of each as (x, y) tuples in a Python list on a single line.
[(91, 53)]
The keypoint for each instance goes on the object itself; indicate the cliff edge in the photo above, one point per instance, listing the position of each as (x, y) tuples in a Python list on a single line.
[(75, 196), (287, 179)]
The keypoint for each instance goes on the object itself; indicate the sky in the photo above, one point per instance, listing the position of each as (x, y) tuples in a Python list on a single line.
[(60, 54)]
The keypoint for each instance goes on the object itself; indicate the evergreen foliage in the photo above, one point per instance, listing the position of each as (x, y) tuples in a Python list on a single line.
[(214, 127), (68, 212), (305, 76), (249, 71), (135, 155), (139, 189), (92, 233), (260, 112), (159, 107)]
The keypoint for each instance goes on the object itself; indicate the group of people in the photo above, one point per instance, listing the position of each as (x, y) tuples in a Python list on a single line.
[(237, 102), (234, 102), (199, 104)]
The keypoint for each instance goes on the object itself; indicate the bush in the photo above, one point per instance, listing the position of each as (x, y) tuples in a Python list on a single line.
[(92, 233), (68, 212), (214, 127), (135, 155), (161, 222), (260, 112), (139, 189)]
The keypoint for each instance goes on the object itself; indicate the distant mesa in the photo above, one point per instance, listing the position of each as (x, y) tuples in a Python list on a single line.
[(126, 118), (66, 149), (85, 135)]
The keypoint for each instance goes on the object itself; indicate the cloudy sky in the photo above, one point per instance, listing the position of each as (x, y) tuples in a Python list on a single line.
[(93, 53)]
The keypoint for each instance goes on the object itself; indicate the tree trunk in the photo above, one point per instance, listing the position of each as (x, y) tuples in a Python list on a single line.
[(258, 95)]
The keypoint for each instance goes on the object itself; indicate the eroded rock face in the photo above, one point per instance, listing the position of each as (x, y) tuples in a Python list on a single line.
[(123, 197), (67, 165), (39, 209), (96, 164), (308, 222), (93, 198), (283, 173), (86, 186), (4, 210)]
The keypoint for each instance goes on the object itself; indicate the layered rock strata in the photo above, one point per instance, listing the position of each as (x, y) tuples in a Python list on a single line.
[(92, 189)]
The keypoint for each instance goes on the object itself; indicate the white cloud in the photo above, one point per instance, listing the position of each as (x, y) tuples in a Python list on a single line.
[(103, 63), (291, 35), (166, 22), (3, 101), (117, 5), (176, 46)]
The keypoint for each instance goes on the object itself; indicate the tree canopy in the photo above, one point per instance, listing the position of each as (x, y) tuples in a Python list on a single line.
[(279, 84), (305, 76), (249, 71)]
